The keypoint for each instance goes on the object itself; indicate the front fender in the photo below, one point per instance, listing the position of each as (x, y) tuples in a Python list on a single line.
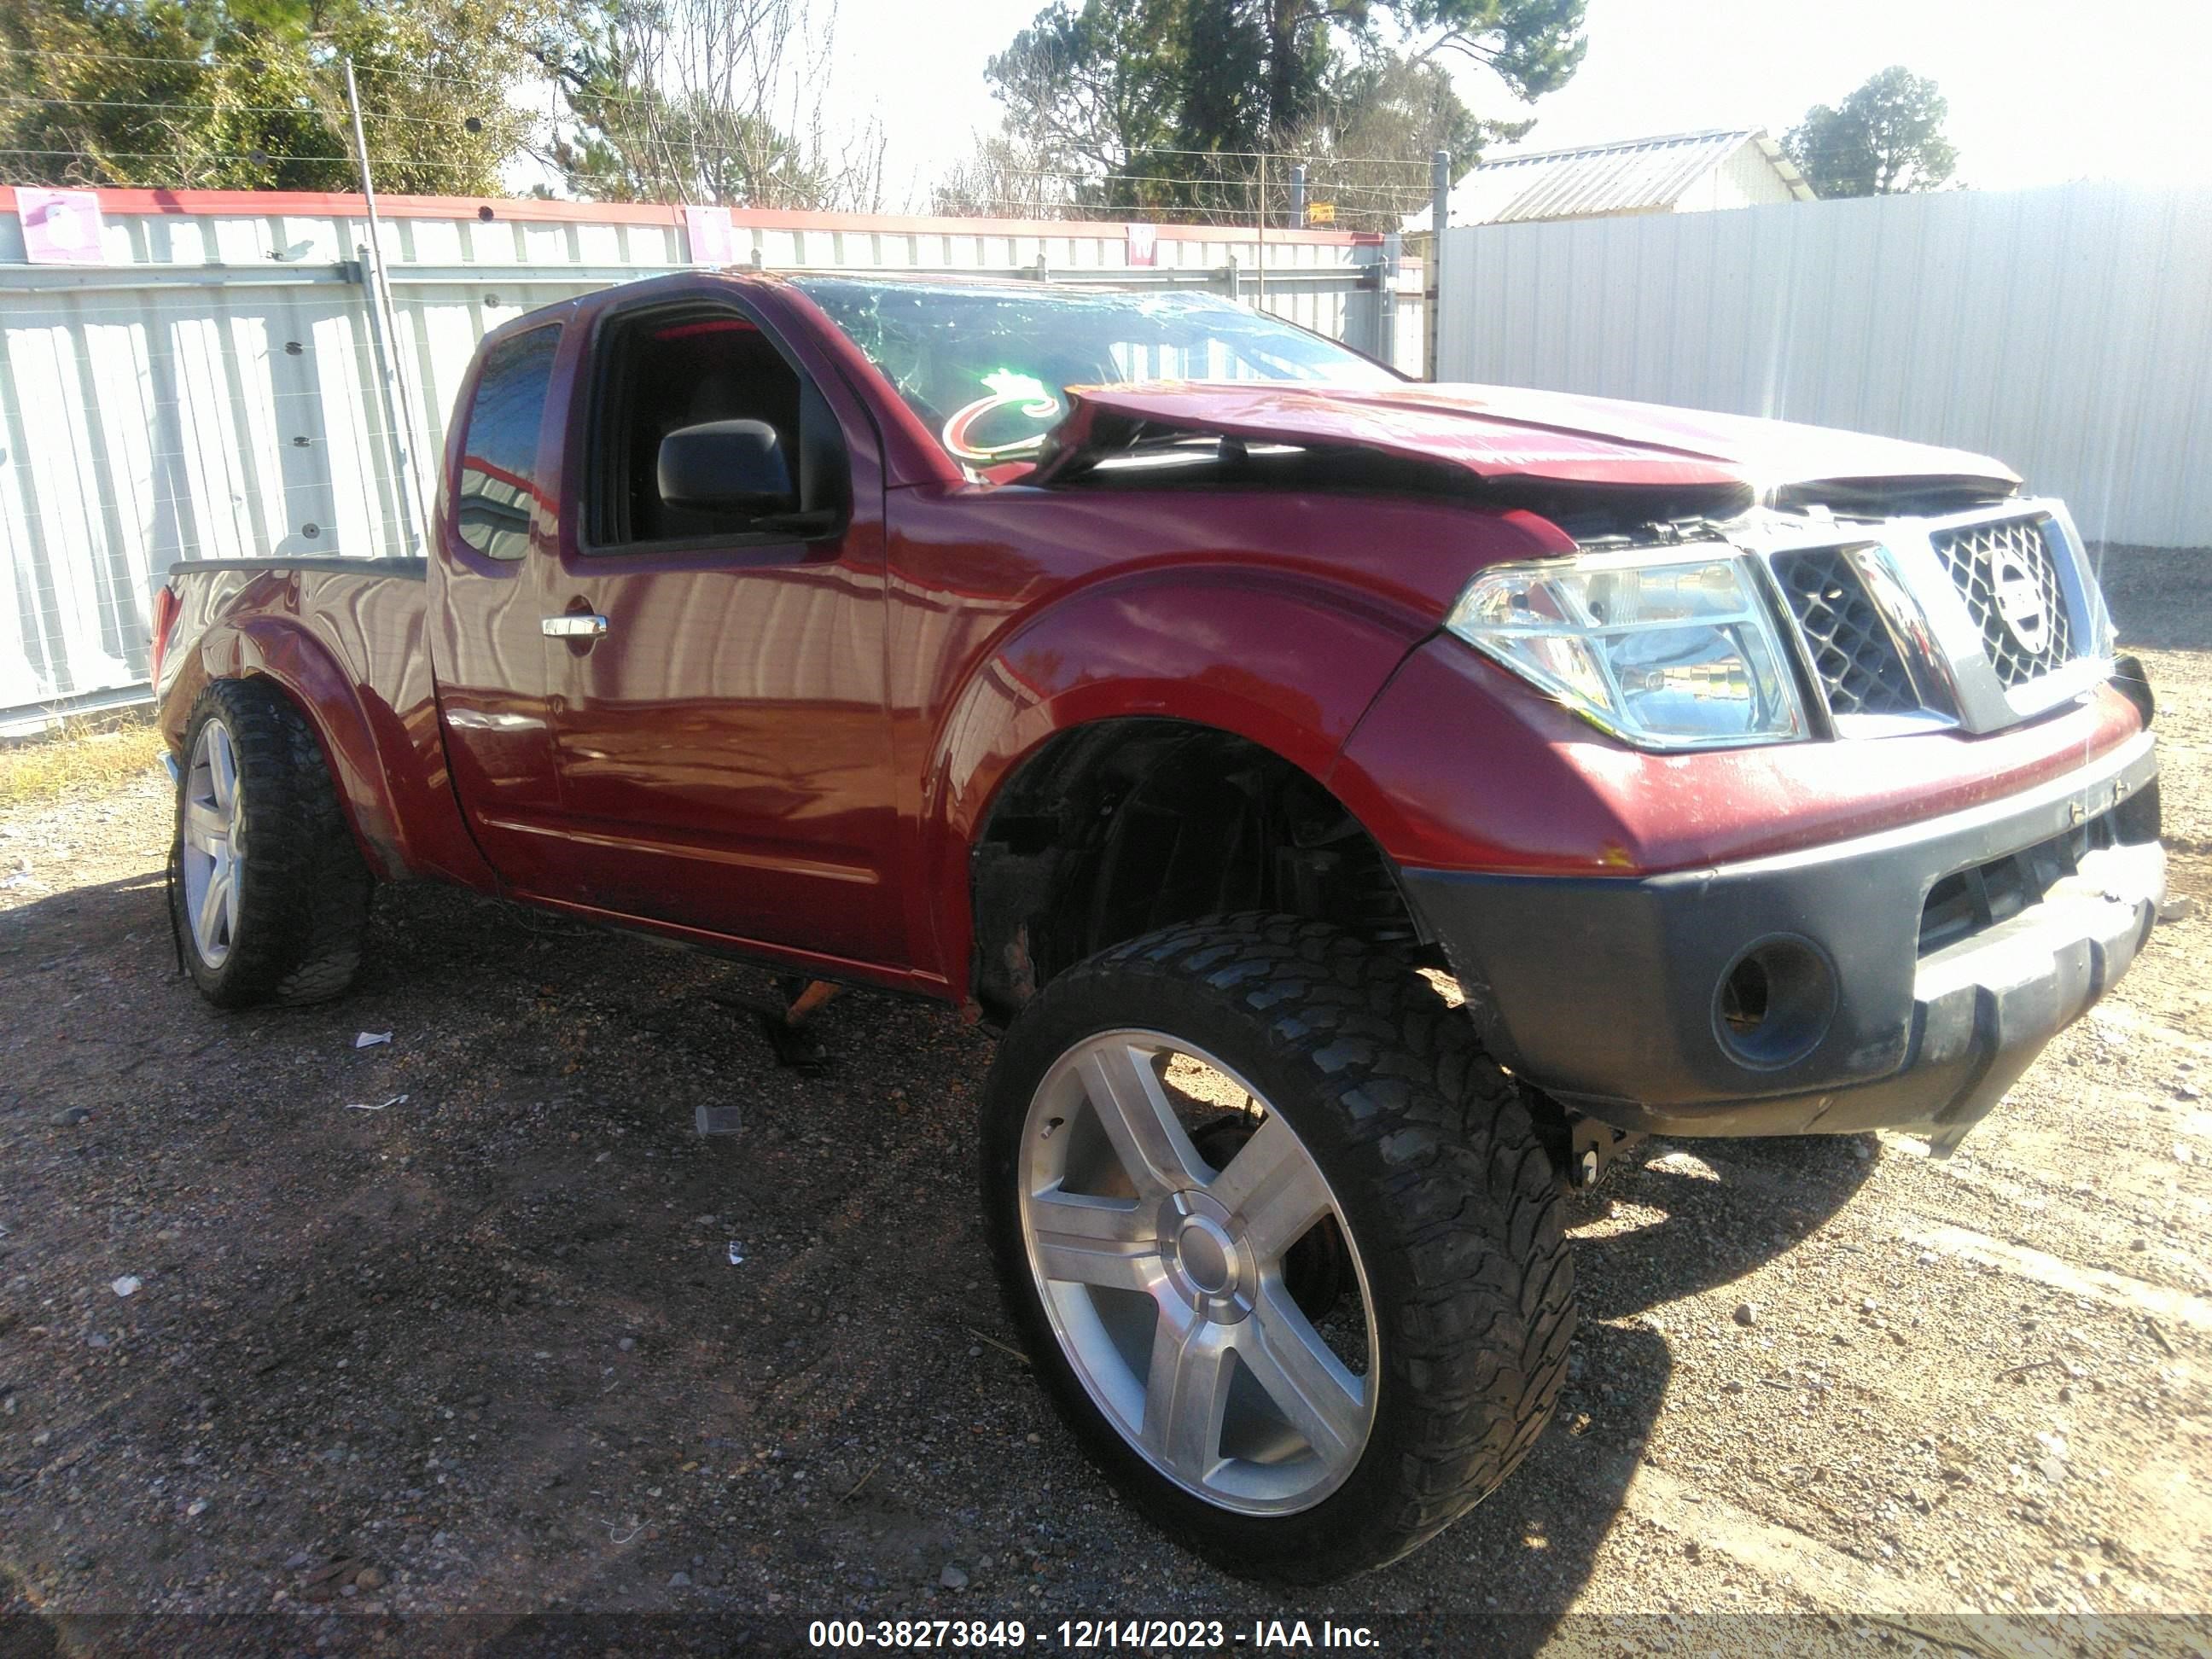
[(1286, 662)]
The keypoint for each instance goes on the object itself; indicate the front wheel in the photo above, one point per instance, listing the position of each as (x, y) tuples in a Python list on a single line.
[(1280, 1239)]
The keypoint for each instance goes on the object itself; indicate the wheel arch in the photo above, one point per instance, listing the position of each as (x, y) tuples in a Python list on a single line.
[(1279, 664), (282, 654), (1119, 826)]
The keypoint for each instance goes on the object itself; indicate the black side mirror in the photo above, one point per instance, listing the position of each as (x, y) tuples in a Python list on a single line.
[(730, 466)]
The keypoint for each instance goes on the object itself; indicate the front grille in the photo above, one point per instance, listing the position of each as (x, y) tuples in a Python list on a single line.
[(2009, 568), (1857, 662)]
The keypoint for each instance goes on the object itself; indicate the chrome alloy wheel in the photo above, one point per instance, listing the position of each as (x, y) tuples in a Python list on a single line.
[(1174, 1286), (211, 855)]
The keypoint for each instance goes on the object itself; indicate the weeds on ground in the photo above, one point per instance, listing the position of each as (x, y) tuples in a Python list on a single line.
[(78, 758)]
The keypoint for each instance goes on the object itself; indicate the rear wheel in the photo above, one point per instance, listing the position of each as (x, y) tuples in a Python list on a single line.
[(1280, 1239), (270, 893)]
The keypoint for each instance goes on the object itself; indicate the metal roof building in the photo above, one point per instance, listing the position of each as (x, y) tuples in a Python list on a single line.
[(1681, 173)]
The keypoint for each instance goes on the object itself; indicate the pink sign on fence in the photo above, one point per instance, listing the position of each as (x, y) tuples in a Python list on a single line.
[(60, 226), (713, 241), (1142, 243)]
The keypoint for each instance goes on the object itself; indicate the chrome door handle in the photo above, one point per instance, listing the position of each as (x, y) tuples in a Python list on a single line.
[(574, 625)]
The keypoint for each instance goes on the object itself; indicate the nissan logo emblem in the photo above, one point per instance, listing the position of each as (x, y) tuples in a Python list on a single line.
[(2020, 602)]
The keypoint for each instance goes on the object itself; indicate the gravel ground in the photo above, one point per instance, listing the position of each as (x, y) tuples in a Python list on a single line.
[(485, 1350)]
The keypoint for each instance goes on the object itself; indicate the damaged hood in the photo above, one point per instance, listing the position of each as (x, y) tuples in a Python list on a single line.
[(1508, 432)]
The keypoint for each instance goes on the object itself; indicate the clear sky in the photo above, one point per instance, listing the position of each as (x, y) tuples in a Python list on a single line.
[(2041, 90)]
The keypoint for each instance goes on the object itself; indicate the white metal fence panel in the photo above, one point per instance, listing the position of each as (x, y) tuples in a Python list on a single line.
[(211, 391), (2065, 330)]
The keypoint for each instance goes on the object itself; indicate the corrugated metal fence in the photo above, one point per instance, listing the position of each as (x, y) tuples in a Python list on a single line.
[(209, 387), (2066, 330)]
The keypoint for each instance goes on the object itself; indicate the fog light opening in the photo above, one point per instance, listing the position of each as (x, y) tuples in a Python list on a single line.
[(1743, 998), (1773, 1003)]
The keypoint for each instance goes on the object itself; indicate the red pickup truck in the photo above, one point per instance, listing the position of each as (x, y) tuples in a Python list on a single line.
[(1211, 710)]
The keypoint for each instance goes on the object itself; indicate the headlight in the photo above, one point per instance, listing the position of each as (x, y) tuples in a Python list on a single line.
[(1667, 650)]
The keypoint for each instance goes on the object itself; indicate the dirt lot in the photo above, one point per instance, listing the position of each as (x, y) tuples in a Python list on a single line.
[(488, 1343)]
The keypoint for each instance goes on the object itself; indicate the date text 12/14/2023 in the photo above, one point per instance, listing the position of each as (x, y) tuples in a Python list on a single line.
[(1089, 1635)]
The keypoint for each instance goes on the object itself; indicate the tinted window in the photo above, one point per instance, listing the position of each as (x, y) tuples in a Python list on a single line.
[(499, 459), (987, 368)]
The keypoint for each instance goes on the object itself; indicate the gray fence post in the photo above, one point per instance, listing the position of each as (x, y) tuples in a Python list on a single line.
[(1259, 264), (1432, 283)]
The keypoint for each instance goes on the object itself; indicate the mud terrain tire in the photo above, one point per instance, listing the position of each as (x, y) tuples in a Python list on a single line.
[(303, 891), (1436, 1172)]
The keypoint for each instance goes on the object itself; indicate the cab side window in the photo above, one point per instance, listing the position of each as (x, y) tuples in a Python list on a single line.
[(498, 489), (671, 371)]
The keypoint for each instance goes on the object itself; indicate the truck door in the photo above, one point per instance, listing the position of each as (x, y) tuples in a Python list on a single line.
[(486, 579), (716, 669)]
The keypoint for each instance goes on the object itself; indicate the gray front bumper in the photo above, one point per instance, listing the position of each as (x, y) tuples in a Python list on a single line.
[(1602, 990), (1990, 1002)]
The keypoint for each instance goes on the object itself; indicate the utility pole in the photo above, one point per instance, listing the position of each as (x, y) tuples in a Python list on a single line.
[(384, 331)]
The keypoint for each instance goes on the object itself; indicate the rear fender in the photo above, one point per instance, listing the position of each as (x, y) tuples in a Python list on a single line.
[(285, 651), (1288, 663)]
